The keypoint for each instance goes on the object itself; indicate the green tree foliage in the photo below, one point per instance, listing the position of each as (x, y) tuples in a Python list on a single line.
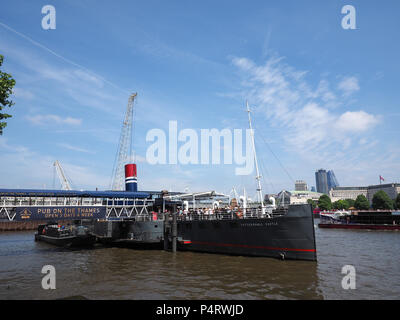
[(361, 202), (312, 202), (350, 202), (6, 85), (381, 200), (324, 202), (341, 205), (397, 201)]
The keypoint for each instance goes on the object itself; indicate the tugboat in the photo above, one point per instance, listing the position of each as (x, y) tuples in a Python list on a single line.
[(70, 236)]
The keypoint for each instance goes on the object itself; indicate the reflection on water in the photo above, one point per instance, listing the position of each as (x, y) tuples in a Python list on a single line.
[(118, 273)]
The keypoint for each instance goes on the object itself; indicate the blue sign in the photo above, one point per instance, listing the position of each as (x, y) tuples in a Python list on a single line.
[(60, 213)]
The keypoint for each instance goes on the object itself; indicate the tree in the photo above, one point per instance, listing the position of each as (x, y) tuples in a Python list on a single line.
[(361, 202), (397, 201), (341, 205), (350, 202), (6, 85), (312, 202), (381, 200), (324, 202)]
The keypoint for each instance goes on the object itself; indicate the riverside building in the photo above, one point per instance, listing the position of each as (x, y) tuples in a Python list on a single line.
[(341, 193), (321, 179), (300, 185)]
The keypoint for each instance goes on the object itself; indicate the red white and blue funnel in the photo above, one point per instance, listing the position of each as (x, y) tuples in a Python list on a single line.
[(130, 177)]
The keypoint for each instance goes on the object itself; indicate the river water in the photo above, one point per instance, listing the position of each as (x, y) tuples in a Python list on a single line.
[(119, 273)]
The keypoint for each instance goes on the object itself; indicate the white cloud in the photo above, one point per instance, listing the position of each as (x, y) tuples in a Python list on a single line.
[(24, 168), (74, 148), (304, 115), (86, 76), (87, 88), (357, 121), (22, 93), (349, 85), (243, 63), (49, 119)]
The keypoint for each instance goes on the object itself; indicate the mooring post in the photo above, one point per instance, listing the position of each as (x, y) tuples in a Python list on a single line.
[(174, 231), (166, 228)]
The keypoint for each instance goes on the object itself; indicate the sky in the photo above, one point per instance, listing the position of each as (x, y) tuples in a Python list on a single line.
[(321, 96)]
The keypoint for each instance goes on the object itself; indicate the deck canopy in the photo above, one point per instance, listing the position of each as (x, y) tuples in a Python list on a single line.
[(72, 193), (195, 195)]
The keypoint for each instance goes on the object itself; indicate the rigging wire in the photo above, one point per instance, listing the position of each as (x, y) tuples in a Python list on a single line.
[(275, 156), (264, 169)]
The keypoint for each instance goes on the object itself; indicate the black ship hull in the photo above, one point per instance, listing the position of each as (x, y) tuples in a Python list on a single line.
[(131, 233), (290, 236)]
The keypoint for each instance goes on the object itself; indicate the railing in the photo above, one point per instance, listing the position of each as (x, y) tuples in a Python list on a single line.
[(27, 202), (130, 209), (253, 213)]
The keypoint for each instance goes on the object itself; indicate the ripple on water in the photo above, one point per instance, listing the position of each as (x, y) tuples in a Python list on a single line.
[(119, 273)]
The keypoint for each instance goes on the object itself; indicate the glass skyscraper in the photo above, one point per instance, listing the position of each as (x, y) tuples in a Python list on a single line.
[(325, 181), (321, 180), (332, 181)]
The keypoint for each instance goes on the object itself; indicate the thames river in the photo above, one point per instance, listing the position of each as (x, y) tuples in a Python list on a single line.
[(119, 273)]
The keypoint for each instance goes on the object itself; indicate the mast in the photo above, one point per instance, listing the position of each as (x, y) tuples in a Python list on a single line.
[(258, 177), (244, 203)]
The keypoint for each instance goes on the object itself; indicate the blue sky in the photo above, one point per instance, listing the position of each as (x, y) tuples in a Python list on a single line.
[(323, 97)]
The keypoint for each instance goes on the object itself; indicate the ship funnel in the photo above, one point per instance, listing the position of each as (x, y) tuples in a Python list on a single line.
[(130, 177)]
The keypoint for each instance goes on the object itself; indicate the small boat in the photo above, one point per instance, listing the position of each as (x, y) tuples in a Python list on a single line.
[(65, 236)]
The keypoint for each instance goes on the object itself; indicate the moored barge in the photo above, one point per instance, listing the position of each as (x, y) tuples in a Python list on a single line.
[(65, 236), (363, 219)]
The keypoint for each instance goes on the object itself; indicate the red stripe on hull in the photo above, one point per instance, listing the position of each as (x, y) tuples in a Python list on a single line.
[(185, 242)]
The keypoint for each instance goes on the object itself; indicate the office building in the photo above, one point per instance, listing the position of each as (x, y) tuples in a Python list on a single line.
[(341, 193), (332, 181), (300, 185), (321, 180)]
